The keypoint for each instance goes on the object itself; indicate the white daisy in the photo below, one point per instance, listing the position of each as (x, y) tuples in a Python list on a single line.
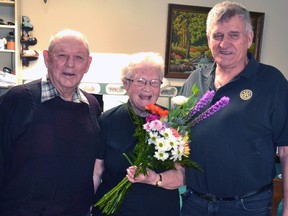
[(176, 154), (153, 136), (167, 133), (161, 155), (161, 144)]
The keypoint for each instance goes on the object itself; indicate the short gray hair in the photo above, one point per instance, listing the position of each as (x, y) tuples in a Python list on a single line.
[(68, 33), (142, 59), (222, 12)]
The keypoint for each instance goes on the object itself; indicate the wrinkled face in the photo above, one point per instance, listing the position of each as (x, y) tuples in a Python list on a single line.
[(67, 63), (140, 96), (229, 42)]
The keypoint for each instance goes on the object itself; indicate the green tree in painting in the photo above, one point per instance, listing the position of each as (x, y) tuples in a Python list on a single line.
[(188, 29)]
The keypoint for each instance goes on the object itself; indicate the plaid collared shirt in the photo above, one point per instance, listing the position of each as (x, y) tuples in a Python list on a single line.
[(49, 92)]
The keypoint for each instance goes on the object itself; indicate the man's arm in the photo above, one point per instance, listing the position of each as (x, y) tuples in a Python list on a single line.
[(98, 170), (283, 154)]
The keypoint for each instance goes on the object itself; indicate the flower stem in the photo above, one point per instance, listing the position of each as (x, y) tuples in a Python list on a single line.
[(112, 200), (128, 159)]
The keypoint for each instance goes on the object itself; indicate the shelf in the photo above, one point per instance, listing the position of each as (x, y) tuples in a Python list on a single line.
[(29, 42), (7, 51), (7, 26), (10, 15), (7, 2)]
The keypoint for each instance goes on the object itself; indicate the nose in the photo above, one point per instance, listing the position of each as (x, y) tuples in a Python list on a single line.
[(70, 61), (225, 41), (147, 86)]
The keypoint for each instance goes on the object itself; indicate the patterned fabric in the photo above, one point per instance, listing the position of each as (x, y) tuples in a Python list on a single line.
[(49, 92)]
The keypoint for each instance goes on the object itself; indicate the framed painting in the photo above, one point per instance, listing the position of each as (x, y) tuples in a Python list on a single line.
[(186, 42)]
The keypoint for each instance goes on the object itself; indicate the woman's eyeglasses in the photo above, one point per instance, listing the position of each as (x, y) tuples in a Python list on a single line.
[(142, 82)]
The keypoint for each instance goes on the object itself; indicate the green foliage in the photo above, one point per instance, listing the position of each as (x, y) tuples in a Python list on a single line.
[(189, 23)]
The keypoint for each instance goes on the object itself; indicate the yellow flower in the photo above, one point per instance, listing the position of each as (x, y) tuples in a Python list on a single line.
[(186, 150)]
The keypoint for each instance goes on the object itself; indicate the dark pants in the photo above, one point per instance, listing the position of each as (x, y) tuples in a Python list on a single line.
[(256, 205)]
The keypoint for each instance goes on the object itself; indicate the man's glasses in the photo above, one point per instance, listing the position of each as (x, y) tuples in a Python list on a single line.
[(142, 82)]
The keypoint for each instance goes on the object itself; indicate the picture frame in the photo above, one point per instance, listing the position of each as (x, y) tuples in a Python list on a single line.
[(186, 42)]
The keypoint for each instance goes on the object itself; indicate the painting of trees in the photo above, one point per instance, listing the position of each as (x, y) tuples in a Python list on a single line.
[(187, 39), (188, 28)]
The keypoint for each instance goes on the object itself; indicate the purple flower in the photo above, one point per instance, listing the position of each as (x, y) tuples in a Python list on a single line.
[(224, 101), (152, 117), (204, 100)]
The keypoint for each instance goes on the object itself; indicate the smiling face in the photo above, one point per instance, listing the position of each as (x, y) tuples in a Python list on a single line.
[(140, 96), (229, 42), (67, 62)]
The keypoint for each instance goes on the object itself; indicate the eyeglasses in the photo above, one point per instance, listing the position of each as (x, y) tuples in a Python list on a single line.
[(142, 82)]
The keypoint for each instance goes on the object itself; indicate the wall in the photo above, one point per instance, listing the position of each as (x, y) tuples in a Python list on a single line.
[(128, 26)]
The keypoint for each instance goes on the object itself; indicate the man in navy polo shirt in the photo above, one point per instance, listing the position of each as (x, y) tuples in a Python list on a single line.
[(236, 147)]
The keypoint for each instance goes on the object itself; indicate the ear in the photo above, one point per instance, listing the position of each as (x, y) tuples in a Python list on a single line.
[(125, 83), (89, 63), (46, 57), (250, 38)]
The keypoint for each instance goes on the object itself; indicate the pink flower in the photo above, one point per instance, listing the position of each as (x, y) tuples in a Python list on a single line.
[(152, 117), (156, 125), (175, 132)]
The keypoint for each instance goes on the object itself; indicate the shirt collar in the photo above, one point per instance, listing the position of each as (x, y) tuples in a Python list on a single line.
[(49, 92), (250, 69)]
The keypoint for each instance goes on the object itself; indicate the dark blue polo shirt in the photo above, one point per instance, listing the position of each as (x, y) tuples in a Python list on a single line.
[(236, 146)]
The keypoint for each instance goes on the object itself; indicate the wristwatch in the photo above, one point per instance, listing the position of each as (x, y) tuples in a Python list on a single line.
[(159, 182)]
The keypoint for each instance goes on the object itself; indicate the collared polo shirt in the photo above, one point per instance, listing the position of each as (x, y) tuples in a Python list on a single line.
[(236, 146)]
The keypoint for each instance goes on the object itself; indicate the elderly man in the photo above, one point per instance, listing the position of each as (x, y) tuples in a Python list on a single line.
[(49, 136), (236, 148)]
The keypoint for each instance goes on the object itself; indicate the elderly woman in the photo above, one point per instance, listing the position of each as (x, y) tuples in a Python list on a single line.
[(153, 194)]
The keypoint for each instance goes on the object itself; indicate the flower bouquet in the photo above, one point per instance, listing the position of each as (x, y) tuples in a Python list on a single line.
[(163, 140)]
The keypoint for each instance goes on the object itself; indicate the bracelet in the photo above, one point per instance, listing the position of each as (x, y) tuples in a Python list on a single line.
[(159, 182)]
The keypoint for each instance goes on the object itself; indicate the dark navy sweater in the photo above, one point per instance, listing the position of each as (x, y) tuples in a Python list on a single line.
[(47, 153)]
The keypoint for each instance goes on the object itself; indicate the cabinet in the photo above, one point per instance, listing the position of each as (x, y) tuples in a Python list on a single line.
[(10, 28)]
